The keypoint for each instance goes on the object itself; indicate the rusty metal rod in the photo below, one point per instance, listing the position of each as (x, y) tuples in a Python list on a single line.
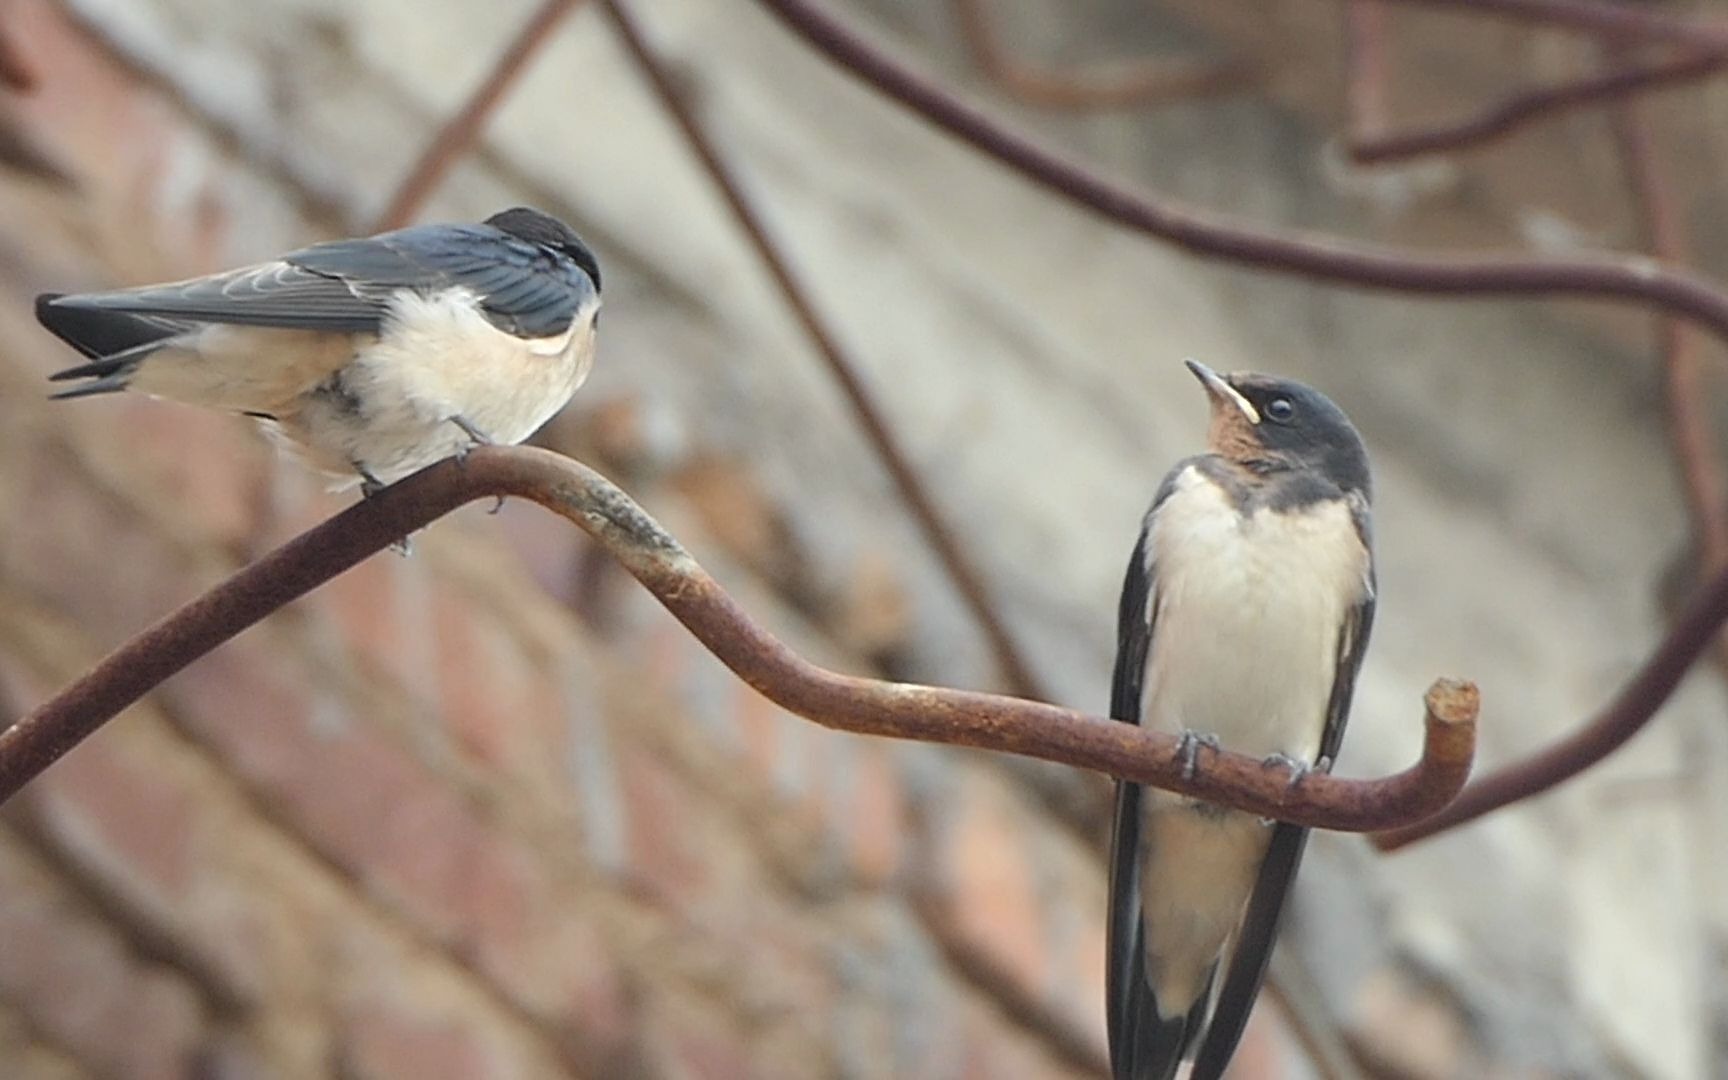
[(1503, 119), (1143, 82), (1628, 22), (846, 703), (1691, 438), (1216, 236)]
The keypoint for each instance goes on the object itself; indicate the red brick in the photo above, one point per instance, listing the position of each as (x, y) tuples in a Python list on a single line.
[(209, 467), (366, 607), (361, 799), (660, 823), (384, 1043), (759, 721), (499, 705), (988, 893), (250, 705), (139, 831), (80, 985), (1404, 1027), (502, 706), (125, 816), (1266, 1050), (806, 776), (600, 1009), (702, 1045), (996, 1050), (95, 115), (548, 546), (410, 836), (873, 826), (100, 564)]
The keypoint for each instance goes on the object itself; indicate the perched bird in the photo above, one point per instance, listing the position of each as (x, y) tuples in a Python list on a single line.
[(370, 357), (1243, 620)]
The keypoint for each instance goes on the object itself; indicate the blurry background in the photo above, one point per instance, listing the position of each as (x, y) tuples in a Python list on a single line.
[(488, 812)]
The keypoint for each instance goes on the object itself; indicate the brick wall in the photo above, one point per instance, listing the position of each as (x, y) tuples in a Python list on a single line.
[(427, 823), (486, 811)]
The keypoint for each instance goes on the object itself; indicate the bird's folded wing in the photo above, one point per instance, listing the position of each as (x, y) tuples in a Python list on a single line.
[(348, 285)]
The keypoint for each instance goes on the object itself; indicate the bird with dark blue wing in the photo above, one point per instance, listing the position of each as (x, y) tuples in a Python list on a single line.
[(1243, 621), (371, 357)]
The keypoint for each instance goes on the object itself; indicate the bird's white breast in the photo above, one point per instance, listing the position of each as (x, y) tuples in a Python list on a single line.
[(438, 357), (1248, 613)]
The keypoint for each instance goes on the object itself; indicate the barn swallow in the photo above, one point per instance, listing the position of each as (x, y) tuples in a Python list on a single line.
[(1243, 620), (370, 357)]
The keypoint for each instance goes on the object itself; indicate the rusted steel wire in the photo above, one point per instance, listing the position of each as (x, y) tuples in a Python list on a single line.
[(1215, 236), (844, 368), (1522, 110), (456, 137), (846, 703), (1679, 347), (1625, 22), (1144, 82), (1365, 69), (19, 69), (1701, 621), (1622, 718)]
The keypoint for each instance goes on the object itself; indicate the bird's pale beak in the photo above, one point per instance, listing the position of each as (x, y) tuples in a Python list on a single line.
[(1221, 392)]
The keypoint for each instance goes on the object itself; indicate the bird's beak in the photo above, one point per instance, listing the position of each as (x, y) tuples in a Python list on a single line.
[(1221, 392)]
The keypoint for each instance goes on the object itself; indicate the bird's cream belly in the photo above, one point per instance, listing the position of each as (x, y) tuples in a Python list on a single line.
[(245, 368), (391, 411), (1200, 869)]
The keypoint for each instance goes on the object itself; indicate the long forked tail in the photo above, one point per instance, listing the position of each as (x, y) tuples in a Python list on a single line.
[(114, 341)]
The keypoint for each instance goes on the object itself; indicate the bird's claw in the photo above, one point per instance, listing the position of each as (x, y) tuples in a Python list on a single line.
[(1188, 746), (369, 485), (475, 435), (1299, 769)]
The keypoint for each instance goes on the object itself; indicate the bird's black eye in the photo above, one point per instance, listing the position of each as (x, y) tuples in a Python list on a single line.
[(1279, 410)]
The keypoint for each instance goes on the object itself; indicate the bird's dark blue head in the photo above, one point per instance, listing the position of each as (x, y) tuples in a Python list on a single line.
[(1269, 424), (550, 233)]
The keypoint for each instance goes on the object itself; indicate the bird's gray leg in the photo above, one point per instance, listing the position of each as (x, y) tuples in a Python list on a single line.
[(1188, 746), (1299, 769), (480, 439), (369, 486)]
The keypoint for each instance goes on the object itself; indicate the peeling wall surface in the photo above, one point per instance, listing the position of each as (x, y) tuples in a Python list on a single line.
[(487, 811)]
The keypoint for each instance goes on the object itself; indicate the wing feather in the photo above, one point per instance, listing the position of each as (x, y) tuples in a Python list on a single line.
[(1141, 1044), (348, 285)]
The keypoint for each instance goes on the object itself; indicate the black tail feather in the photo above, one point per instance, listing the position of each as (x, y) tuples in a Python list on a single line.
[(109, 384), (101, 334), (94, 369), (1154, 1047), (114, 341)]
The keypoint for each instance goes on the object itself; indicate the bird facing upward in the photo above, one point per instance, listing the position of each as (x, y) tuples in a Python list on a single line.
[(1243, 620), (370, 357)]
